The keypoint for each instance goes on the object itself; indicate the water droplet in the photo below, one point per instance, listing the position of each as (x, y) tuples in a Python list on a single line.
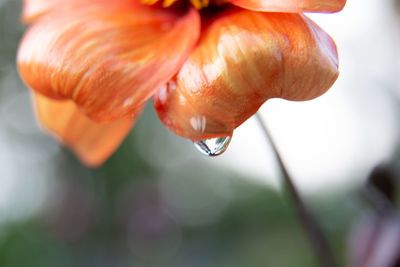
[(213, 146), (127, 102), (162, 94)]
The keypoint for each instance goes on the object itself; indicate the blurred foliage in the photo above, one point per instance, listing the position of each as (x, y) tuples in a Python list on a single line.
[(257, 229)]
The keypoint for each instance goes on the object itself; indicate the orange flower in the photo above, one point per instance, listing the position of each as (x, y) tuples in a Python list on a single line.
[(94, 63)]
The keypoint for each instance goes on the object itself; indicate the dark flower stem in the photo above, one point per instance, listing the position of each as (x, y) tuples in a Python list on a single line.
[(310, 226)]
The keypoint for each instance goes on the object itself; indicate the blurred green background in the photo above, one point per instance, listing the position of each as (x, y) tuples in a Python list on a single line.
[(156, 202)]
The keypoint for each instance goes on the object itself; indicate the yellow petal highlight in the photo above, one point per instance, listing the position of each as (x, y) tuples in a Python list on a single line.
[(244, 58), (92, 143), (108, 57), (168, 3)]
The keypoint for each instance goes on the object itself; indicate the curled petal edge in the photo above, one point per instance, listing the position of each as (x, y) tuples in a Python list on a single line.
[(92, 143)]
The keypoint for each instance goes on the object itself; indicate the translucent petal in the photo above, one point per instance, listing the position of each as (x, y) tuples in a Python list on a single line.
[(92, 142)]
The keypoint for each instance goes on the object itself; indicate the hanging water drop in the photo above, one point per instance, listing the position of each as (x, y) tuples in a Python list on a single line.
[(213, 146)]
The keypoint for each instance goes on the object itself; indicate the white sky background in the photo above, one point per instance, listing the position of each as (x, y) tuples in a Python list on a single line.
[(334, 141)]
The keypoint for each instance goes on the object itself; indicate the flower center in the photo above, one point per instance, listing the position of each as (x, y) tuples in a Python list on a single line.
[(198, 4)]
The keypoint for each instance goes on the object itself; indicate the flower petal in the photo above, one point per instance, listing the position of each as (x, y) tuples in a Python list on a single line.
[(34, 9), (296, 6), (109, 57), (92, 142), (243, 59)]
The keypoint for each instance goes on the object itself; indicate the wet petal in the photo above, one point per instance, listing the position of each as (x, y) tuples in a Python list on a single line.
[(92, 142), (243, 59), (109, 57), (296, 6)]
